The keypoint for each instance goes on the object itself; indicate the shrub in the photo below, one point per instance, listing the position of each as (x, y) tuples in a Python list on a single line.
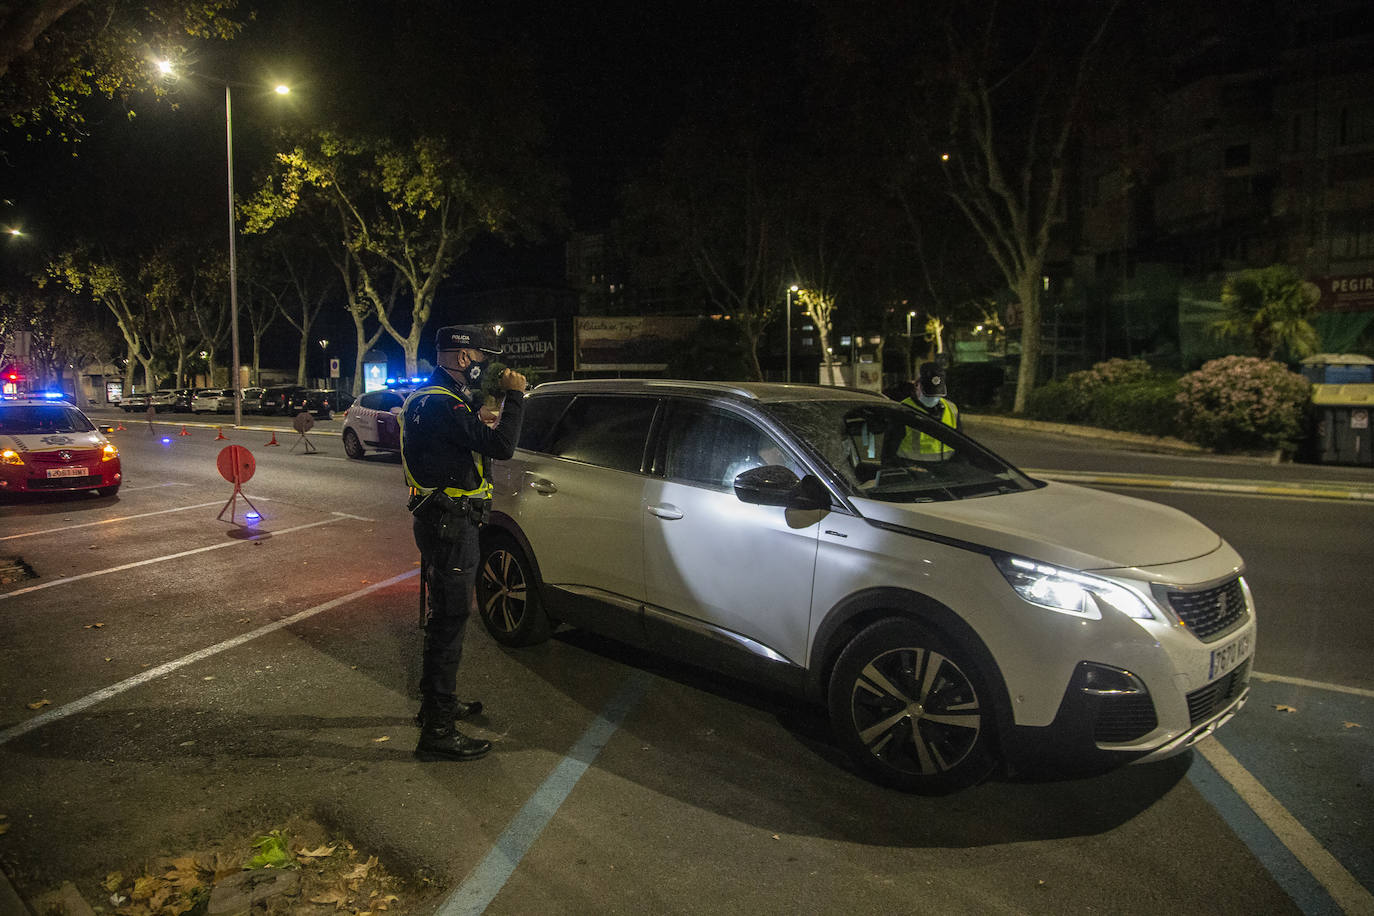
[(1111, 372), (1149, 406), (1241, 402), (1054, 403)]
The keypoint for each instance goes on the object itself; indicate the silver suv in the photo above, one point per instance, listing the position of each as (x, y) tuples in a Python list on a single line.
[(951, 613)]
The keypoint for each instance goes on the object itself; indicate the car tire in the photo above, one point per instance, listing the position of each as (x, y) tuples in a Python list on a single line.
[(508, 594), (911, 710), (352, 447), (107, 491)]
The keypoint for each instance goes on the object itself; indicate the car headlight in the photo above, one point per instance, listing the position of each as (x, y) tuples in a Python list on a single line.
[(108, 452), (1068, 591), (10, 456)]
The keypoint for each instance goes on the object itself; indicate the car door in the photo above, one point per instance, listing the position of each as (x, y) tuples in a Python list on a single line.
[(578, 500), (715, 566)]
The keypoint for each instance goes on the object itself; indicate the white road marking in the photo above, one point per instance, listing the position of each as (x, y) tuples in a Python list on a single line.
[(355, 517), (106, 521), (1318, 685), (162, 559), (154, 486), (1348, 893), (61, 712)]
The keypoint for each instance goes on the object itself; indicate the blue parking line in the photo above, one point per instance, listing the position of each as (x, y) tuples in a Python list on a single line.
[(1281, 864), (485, 881)]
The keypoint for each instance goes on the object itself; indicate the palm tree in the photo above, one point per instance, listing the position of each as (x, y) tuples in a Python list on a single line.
[(1270, 307)]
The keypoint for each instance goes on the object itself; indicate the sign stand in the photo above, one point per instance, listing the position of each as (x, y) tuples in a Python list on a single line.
[(303, 424), (236, 465)]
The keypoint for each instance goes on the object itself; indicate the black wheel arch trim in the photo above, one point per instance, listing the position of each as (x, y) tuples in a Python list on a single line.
[(873, 604)]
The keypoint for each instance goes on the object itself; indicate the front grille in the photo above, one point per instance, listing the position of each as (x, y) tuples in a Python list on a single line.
[(64, 483), (1206, 702), (1212, 612), (1124, 718)]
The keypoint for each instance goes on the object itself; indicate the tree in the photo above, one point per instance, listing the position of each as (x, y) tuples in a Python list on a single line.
[(55, 53), (106, 280), (820, 308), (1271, 308)]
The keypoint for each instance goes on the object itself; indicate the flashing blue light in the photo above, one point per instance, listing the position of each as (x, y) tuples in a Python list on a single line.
[(251, 516), (50, 395), (391, 381), (417, 380), (166, 440)]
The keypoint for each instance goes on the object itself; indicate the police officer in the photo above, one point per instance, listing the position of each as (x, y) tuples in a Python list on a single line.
[(445, 448), (929, 396)]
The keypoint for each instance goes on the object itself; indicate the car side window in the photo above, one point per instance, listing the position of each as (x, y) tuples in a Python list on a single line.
[(607, 431), (371, 401), (389, 400), (709, 446), (541, 413)]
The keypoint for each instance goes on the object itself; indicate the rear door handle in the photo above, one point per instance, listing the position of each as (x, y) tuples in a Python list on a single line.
[(667, 510), (540, 485)]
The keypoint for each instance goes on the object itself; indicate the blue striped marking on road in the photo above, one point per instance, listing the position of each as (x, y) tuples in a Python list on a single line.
[(485, 881)]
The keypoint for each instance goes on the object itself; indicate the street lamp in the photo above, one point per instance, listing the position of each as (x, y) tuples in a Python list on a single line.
[(790, 290), (281, 89)]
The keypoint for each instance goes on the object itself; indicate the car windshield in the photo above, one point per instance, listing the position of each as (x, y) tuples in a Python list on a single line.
[(37, 420), (895, 453)]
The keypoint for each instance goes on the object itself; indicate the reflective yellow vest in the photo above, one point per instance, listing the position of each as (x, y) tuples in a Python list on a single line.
[(929, 445), (483, 489)]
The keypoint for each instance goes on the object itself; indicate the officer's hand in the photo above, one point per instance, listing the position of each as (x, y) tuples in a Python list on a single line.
[(511, 380)]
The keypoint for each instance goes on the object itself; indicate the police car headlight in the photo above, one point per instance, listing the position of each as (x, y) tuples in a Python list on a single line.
[(1069, 591), (10, 456)]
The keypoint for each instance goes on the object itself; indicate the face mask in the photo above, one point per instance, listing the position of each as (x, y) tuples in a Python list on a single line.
[(472, 375), (929, 402)]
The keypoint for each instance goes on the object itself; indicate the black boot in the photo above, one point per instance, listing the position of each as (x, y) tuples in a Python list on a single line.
[(462, 709), (440, 740)]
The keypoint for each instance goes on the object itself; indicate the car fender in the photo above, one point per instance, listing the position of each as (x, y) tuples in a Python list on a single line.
[(504, 524), (860, 609)]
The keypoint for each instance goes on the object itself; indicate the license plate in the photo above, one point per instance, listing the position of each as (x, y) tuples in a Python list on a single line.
[(66, 472), (1229, 656)]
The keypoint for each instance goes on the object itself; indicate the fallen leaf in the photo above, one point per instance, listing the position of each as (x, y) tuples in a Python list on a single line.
[(776, 836), (109, 658), (381, 739), (338, 898), (94, 626), (367, 582), (1281, 707), (318, 853), (208, 677), (360, 871), (1353, 725), (112, 881), (146, 886), (39, 704)]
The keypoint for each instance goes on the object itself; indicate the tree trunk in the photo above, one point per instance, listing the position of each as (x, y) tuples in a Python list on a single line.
[(300, 362), (1028, 294)]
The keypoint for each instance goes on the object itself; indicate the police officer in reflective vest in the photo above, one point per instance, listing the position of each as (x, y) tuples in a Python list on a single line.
[(445, 451), (929, 396)]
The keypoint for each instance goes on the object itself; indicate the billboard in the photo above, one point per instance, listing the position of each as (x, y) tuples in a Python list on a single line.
[(530, 345), (630, 344)]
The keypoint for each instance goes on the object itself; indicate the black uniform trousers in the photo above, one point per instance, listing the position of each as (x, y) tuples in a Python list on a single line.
[(450, 570)]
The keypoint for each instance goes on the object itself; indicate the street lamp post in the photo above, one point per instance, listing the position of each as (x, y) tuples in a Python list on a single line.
[(790, 290), (910, 345)]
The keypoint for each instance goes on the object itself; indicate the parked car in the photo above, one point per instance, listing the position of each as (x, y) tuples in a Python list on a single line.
[(317, 401), (951, 613), (213, 400), (277, 400), (372, 422), (50, 446), (252, 399), (131, 402), (163, 400), (181, 400)]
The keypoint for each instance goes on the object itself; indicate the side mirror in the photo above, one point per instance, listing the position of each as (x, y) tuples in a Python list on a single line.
[(775, 485)]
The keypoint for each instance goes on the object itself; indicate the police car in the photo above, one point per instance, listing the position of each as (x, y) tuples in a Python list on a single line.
[(47, 445)]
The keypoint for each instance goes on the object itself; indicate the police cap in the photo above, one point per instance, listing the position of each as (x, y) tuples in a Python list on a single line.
[(468, 337), (932, 379)]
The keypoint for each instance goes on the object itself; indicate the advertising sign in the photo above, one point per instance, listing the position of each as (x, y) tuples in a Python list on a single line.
[(1353, 293), (374, 376), (629, 344), (531, 345)]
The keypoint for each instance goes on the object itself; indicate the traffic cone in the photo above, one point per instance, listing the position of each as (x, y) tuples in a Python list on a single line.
[(183, 432), (274, 440), (121, 426), (221, 435)]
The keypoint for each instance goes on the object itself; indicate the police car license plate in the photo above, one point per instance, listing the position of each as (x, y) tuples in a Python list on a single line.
[(1227, 657), (66, 472)]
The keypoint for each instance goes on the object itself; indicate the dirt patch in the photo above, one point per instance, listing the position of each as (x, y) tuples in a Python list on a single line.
[(300, 867)]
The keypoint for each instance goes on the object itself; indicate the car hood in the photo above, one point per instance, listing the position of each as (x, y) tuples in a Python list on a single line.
[(1062, 524), (51, 442)]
